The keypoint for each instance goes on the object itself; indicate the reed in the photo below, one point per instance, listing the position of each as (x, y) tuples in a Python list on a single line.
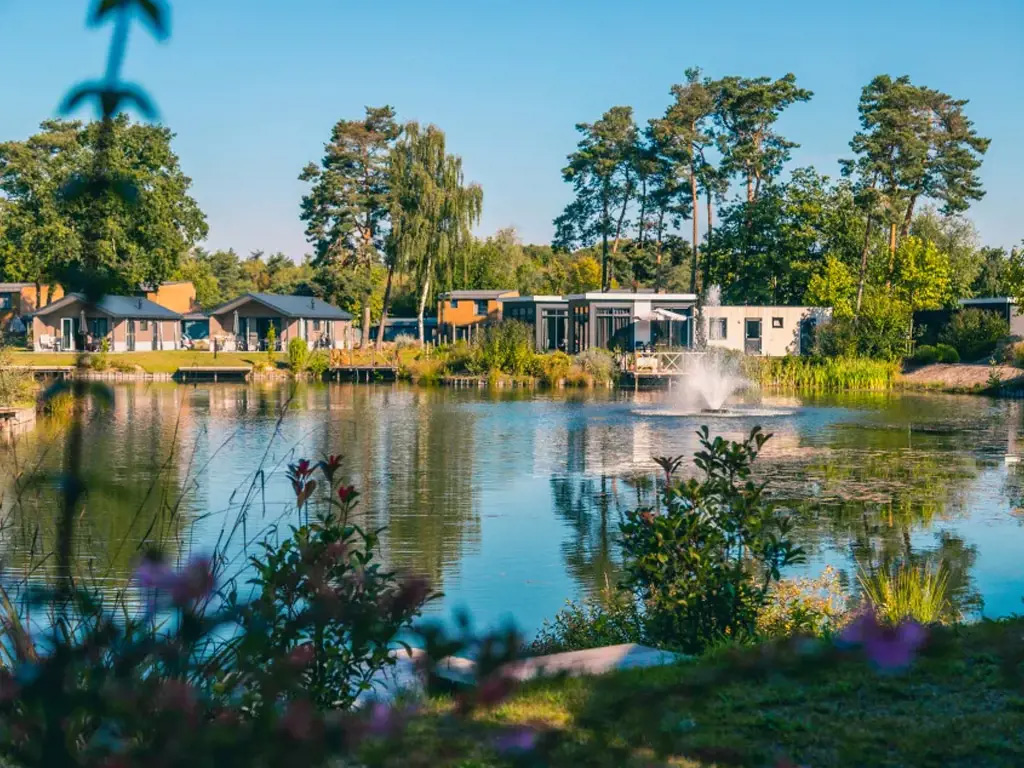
[(908, 593), (821, 374)]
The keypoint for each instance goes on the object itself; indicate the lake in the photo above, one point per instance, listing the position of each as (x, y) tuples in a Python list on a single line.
[(509, 502)]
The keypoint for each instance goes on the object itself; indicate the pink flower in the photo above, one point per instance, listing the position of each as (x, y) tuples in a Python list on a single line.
[(330, 465), (887, 647), (383, 720), (346, 492), (302, 655), (192, 582)]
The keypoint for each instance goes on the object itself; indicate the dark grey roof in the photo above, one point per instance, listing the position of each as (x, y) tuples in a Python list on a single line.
[(117, 306), (289, 306)]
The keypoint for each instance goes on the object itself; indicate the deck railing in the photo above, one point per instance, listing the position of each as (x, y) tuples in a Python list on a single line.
[(666, 361)]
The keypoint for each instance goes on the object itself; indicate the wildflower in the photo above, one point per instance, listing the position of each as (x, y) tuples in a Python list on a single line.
[(302, 468), (193, 582), (887, 647), (346, 492), (330, 465), (516, 740), (383, 720), (409, 596)]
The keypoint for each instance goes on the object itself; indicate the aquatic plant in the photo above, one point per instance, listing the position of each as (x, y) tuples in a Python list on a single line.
[(821, 374), (907, 592), (17, 388)]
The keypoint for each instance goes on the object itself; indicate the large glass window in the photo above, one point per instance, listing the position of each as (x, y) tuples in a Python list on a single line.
[(580, 319), (718, 329), (524, 313), (554, 328), (481, 307), (614, 328), (98, 327)]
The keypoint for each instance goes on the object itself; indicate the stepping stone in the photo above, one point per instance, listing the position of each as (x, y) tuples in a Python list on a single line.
[(593, 661)]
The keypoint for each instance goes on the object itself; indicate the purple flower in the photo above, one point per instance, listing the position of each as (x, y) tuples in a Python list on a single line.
[(516, 740), (192, 582), (887, 647)]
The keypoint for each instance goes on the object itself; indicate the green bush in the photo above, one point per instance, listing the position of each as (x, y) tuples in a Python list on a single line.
[(878, 331), (16, 387), (925, 354), (318, 363), (820, 374), (974, 333), (598, 363), (947, 354), (815, 607), (611, 619), (554, 366), (909, 593), (298, 355), (507, 347), (702, 563)]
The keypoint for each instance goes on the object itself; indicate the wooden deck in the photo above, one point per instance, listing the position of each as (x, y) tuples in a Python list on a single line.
[(60, 371), (366, 373), (213, 372)]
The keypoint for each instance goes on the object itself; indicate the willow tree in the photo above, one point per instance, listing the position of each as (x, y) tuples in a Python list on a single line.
[(347, 208), (432, 212)]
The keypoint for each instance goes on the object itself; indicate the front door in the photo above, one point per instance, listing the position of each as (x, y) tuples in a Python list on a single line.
[(67, 333), (130, 343), (752, 337)]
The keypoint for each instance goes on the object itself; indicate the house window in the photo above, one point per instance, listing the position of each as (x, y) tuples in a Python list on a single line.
[(5, 301), (718, 329), (316, 325), (554, 328), (614, 328), (143, 325), (524, 314), (481, 306), (776, 322)]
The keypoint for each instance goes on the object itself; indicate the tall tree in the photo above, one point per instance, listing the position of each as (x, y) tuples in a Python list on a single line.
[(915, 143), (602, 171), (346, 211), (682, 136), (747, 110), (40, 238), (432, 211)]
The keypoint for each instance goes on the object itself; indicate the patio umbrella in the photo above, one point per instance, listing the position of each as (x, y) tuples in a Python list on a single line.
[(159, 340), (234, 319), (81, 325)]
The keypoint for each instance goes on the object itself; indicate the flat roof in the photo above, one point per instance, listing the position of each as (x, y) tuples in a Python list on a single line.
[(535, 299), (4, 287), (631, 296), (989, 300), (489, 294)]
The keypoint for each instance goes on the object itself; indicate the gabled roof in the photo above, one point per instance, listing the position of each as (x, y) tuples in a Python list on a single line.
[(115, 306), (288, 306)]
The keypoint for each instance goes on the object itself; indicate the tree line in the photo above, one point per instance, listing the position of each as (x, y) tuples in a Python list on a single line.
[(700, 195)]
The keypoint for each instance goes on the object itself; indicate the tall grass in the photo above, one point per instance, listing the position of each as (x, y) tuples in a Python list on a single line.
[(821, 374), (908, 593)]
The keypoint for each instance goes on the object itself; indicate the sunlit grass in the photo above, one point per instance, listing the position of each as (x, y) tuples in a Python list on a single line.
[(908, 593), (825, 374)]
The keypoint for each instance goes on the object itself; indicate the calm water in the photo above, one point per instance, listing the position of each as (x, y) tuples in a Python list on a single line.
[(510, 502)]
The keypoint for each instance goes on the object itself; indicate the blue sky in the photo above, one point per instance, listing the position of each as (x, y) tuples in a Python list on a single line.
[(252, 87)]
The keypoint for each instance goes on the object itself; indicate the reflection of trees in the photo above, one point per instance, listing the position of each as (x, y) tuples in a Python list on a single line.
[(131, 466), (591, 507)]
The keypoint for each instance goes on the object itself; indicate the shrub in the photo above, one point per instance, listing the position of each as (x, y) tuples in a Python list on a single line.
[(610, 619), (598, 363), (947, 354), (554, 366), (298, 355), (703, 562), (318, 364), (507, 347), (271, 344), (123, 365), (805, 606), (908, 593), (404, 340), (820, 374), (425, 370), (974, 332), (925, 355), (16, 387), (460, 357)]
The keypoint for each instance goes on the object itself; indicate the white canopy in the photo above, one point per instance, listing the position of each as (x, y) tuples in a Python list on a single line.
[(663, 314)]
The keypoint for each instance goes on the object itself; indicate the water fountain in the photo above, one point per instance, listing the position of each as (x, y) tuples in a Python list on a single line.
[(712, 379)]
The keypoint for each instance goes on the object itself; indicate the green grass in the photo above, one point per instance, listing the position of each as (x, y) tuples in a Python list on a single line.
[(827, 374), (960, 704), (167, 361), (908, 593)]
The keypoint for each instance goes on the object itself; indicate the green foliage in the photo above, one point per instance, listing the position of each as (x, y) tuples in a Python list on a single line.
[(703, 562), (821, 374), (507, 347), (597, 363), (926, 355), (298, 355), (318, 363), (834, 286), (920, 275), (17, 388), (974, 332), (946, 354), (816, 607), (908, 593), (610, 619), (271, 345), (879, 331), (554, 367)]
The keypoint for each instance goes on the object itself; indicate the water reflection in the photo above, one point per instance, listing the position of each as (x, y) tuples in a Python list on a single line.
[(510, 502)]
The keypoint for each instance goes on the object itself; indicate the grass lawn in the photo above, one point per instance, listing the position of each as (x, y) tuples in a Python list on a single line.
[(167, 361), (960, 704)]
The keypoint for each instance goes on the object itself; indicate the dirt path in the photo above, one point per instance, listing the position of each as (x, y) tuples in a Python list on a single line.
[(960, 375)]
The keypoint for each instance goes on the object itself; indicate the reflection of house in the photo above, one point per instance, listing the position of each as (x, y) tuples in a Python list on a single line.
[(457, 311), (547, 315), (394, 327), (129, 323), (622, 320), (245, 322), (19, 300), (769, 331)]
